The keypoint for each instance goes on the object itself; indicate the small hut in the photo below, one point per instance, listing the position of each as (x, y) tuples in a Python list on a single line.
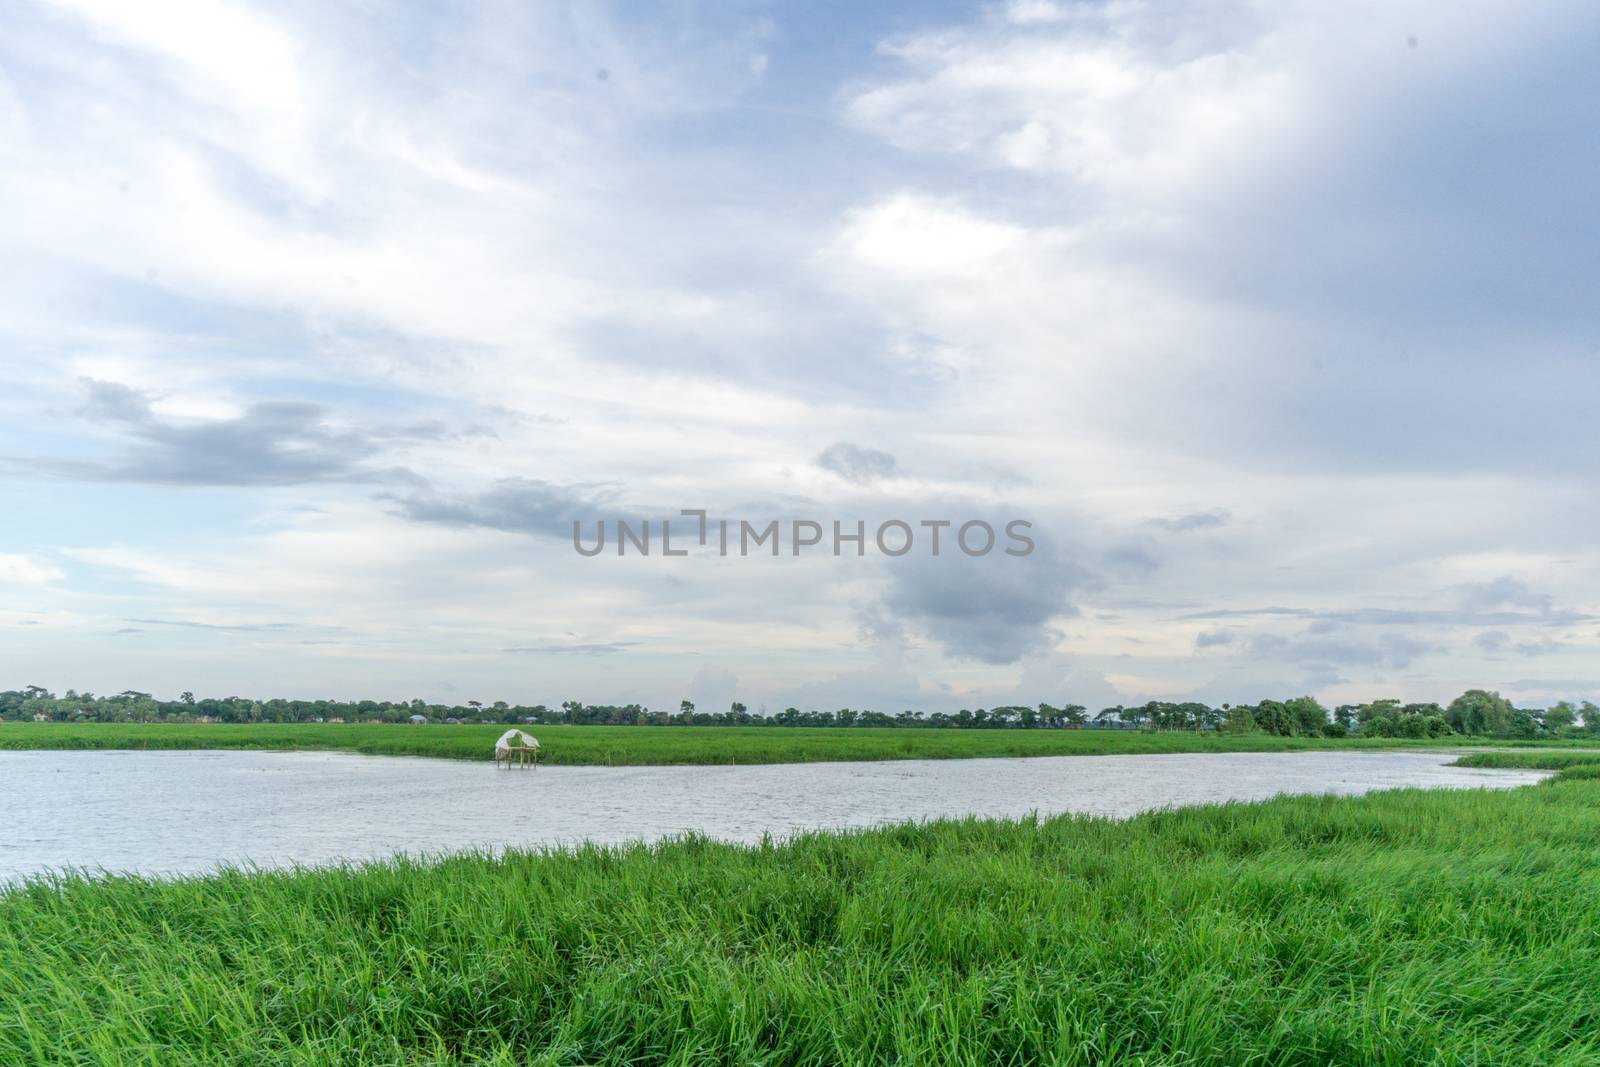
[(516, 744)]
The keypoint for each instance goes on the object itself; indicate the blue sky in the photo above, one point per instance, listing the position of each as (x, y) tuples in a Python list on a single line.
[(1276, 320)]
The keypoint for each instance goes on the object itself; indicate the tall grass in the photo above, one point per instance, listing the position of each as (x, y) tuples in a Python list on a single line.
[(632, 745), (1410, 927)]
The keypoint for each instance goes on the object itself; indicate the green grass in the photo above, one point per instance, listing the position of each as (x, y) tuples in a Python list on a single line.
[(1410, 927), (1574, 764), (633, 745)]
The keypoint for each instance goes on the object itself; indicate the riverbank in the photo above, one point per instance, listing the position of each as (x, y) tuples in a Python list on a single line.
[(1403, 927), (618, 746)]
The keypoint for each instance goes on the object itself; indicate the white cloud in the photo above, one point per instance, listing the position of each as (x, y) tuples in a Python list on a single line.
[(16, 569)]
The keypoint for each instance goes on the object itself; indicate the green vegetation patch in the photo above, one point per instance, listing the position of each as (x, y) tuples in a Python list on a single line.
[(636, 745)]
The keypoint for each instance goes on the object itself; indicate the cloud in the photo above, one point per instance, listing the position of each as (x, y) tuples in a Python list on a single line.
[(516, 505), (1132, 560), (272, 443), (17, 569), (1504, 591), (1213, 638), (713, 688), (604, 648), (240, 627), (1195, 520), (994, 608), (855, 464), (1492, 641), (1318, 649), (1400, 616)]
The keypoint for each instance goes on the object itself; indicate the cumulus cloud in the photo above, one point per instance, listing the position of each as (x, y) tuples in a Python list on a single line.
[(272, 443), (856, 464), (516, 505), (994, 608)]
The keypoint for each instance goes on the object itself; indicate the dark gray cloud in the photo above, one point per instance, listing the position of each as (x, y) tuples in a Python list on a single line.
[(518, 505), (993, 608), (1195, 520), (1497, 642), (1325, 650), (856, 464), (272, 443)]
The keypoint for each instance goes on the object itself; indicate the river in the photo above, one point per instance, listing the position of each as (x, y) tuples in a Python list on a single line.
[(172, 813)]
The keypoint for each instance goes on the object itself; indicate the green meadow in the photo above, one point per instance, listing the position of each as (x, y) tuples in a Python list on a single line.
[(1408, 927), (634, 745)]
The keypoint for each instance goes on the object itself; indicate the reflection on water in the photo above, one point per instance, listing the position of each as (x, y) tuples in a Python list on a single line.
[(184, 812)]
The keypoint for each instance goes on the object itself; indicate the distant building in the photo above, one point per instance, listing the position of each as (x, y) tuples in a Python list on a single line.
[(40, 716), (419, 718)]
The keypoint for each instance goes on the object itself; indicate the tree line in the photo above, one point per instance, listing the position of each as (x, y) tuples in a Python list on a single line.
[(1477, 712)]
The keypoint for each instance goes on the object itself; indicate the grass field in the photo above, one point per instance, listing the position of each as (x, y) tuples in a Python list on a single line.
[(633, 745), (1411, 927)]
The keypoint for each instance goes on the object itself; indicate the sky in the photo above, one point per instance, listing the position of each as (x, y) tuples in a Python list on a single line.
[(321, 324)]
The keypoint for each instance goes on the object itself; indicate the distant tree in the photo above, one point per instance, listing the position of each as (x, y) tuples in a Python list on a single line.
[(1378, 726), (1521, 724), (1272, 716), (1306, 716), (1560, 716), (1590, 713), (1387, 708), (187, 697), (1241, 720), (1478, 711), (1411, 726)]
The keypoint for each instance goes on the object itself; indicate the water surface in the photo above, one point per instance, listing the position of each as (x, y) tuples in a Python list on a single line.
[(188, 812)]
